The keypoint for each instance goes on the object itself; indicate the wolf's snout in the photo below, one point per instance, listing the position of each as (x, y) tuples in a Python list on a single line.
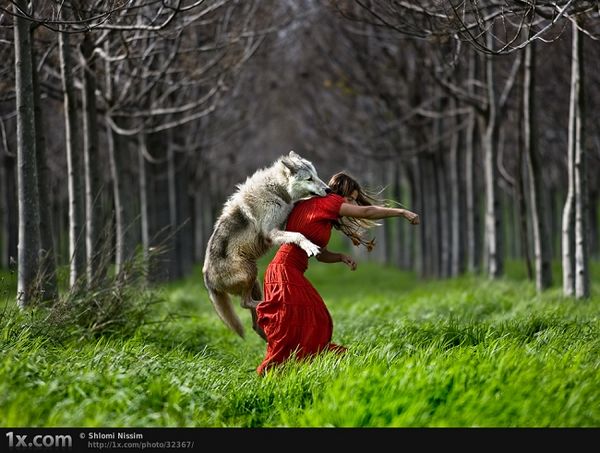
[(328, 190)]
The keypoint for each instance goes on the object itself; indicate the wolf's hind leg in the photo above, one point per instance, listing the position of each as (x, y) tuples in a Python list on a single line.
[(252, 297), (255, 325), (250, 301), (257, 291)]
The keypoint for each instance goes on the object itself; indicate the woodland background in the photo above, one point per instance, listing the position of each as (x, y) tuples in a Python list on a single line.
[(126, 124)]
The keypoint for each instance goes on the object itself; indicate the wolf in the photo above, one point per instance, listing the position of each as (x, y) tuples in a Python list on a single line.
[(251, 222)]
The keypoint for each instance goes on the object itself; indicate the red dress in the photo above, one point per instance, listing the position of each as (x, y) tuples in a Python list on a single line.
[(293, 314)]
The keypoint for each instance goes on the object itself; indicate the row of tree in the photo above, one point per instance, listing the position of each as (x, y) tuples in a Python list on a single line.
[(125, 125), (460, 107)]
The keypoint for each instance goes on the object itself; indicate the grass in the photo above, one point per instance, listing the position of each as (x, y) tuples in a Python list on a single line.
[(466, 352)]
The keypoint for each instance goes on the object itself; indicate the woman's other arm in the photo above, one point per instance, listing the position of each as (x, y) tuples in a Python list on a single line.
[(327, 256)]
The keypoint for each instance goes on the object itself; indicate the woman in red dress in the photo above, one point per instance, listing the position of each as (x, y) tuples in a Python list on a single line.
[(293, 315)]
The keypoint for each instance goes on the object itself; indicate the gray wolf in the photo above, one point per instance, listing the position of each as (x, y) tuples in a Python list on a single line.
[(251, 222)]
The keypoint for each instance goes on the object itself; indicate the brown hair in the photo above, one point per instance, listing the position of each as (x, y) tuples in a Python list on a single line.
[(343, 184)]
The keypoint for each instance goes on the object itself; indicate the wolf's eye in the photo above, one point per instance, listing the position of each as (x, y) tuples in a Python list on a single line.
[(309, 178)]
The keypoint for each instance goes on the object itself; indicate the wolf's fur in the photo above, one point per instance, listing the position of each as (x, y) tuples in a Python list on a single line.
[(251, 222)]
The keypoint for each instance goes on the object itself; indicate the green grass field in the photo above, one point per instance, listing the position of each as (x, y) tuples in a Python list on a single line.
[(466, 352)]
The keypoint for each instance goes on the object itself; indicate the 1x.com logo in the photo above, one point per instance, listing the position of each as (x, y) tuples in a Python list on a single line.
[(39, 440)]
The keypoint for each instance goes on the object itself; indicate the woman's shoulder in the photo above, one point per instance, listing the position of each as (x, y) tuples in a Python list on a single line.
[(327, 200), (328, 206)]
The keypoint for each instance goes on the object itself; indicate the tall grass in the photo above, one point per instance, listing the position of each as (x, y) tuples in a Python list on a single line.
[(461, 353)]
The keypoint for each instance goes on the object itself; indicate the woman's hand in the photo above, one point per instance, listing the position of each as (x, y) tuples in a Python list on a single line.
[(411, 217), (348, 261)]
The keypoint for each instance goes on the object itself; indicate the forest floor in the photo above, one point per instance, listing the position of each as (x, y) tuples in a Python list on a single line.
[(464, 352)]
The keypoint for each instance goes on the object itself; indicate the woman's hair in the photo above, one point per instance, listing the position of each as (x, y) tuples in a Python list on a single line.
[(343, 184)]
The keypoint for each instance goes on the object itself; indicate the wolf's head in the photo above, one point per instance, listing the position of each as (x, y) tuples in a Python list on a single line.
[(303, 181)]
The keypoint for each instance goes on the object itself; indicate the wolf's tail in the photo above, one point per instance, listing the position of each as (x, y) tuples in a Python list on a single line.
[(223, 306)]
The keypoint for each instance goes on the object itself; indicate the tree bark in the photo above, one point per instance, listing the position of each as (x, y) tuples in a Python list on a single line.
[(471, 190), (95, 269), (443, 223), (125, 222), (27, 183), (493, 215), (123, 186), (541, 235), (456, 209), (144, 207), (417, 197), (74, 169), (174, 262), (582, 272), (568, 219)]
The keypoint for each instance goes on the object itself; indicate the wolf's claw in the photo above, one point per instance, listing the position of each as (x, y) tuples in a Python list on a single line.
[(310, 248)]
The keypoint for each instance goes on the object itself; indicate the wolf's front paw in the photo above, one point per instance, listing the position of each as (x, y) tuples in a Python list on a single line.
[(310, 248)]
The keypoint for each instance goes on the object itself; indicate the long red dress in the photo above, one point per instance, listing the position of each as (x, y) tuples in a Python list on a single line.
[(293, 315)]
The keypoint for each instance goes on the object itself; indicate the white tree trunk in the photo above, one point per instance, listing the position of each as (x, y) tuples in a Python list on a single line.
[(27, 185), (568, 220), (541, 235), (493, 223), (582, 273), (74, 168), (96, 259)]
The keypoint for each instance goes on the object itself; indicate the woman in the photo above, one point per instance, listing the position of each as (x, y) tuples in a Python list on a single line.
[(293, 315)]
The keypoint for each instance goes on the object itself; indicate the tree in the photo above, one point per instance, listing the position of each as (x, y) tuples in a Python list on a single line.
[(541, 234), (95, 254), (27, 178), (73, 149), (576, 268)]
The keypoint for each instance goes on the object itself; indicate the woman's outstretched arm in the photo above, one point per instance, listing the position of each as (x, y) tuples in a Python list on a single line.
[(377, 212)]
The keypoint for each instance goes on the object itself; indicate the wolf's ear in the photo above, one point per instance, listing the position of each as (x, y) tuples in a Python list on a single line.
[(293, 155), (290, 163)]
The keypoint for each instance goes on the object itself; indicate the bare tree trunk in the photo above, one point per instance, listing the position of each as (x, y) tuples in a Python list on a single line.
[(185, 236), (76, 208), (174, 262), (414, 173), (158, 201), (457, 218), (428, 240), (411, 256), (390, 241), (472, 210), (143, 187), (48, 279), (493, 215), (520, 194), (199, 215), (442, 220), (27, 183), (123, 185), (582, 272), (402, 241), (125, 218), (541, 236), (522, 209), (568, 219), (95, 269)]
